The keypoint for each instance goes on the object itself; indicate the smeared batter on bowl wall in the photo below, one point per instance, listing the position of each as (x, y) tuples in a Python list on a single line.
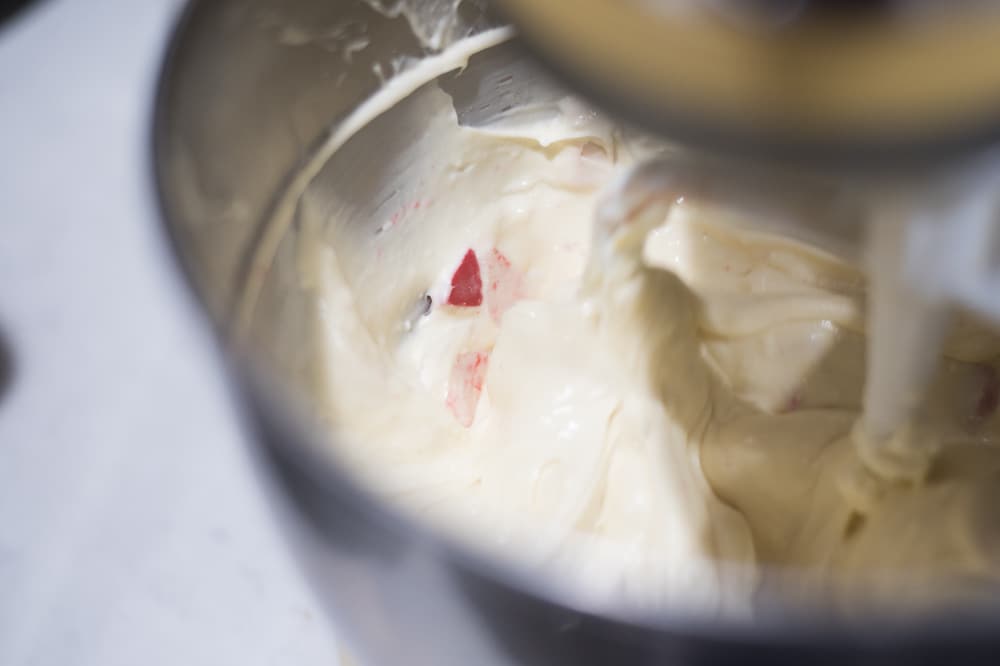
[(625, 384)]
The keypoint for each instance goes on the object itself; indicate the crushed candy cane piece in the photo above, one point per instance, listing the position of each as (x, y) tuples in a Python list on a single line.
[(466, 384), (466, 283)]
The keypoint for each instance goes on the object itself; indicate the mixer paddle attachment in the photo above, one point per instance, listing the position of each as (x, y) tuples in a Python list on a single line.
[(930, 247)]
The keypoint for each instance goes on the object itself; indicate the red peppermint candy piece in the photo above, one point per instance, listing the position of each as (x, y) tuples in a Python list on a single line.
[(465, 384), (466, 283), (504, 284)]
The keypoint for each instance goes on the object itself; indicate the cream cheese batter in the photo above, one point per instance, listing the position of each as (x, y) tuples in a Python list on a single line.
[(613, 378)]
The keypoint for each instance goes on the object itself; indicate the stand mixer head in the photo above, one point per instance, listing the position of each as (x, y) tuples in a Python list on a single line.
[(896, 85)]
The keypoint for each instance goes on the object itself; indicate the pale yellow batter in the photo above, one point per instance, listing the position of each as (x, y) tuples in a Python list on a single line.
[(630, 386)]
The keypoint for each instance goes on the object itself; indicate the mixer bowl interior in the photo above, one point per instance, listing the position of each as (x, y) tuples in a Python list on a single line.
[(250, 92)]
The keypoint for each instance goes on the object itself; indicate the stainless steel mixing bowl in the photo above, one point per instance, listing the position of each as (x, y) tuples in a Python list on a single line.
[(249, 90)]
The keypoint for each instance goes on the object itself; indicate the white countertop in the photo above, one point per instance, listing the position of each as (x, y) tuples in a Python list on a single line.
[(131, 529)]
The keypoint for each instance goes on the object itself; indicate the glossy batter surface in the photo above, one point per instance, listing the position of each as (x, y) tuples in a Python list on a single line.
[(633, 387)]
